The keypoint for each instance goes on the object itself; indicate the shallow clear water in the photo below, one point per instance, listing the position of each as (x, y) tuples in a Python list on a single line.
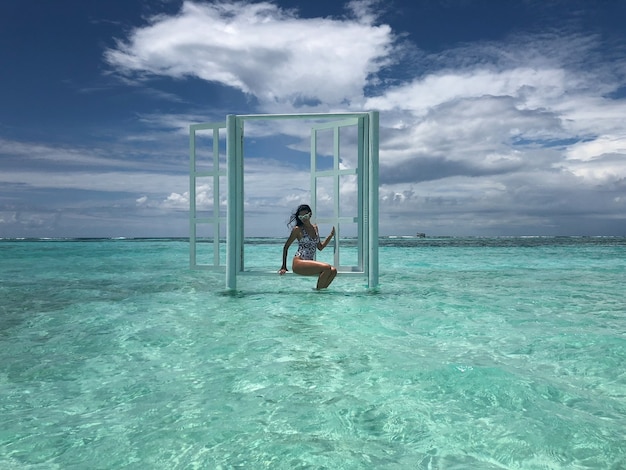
[(472, 354)]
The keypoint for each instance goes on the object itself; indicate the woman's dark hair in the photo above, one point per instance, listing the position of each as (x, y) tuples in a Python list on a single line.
[(294, 217)]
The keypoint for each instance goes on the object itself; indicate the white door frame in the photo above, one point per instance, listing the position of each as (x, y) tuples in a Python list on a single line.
[(367, 177)]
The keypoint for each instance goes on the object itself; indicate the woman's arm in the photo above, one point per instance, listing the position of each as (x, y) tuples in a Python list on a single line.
[(320, 245), (292, 237)]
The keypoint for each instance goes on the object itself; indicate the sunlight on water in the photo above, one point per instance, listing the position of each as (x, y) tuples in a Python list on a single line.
[(492, 354)]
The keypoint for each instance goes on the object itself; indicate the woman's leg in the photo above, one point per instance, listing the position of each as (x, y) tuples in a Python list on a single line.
[(326, 277), (325, 272)]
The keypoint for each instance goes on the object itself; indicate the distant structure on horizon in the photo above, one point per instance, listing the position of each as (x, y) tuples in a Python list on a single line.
[(420, 235)]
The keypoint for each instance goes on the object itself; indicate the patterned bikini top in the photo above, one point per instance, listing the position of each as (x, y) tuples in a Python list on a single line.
[(307, 246)]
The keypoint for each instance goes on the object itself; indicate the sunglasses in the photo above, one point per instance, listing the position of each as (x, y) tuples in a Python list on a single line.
[(305, 216)]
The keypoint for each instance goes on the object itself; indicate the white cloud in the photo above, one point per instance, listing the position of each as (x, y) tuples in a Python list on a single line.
[(37, 153), (590, 150), (112, 182), (261, 50), (423, 94)]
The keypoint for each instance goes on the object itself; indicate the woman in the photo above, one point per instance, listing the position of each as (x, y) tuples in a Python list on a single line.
[(308, 241)]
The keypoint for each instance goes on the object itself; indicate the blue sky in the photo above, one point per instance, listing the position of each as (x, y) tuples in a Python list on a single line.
[(497, 117)]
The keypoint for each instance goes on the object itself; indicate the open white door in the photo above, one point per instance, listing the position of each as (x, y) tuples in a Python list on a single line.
[(207, 199), (338, 175)]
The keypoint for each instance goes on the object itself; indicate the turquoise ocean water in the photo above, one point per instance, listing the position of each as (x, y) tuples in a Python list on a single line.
[(473, 353)]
